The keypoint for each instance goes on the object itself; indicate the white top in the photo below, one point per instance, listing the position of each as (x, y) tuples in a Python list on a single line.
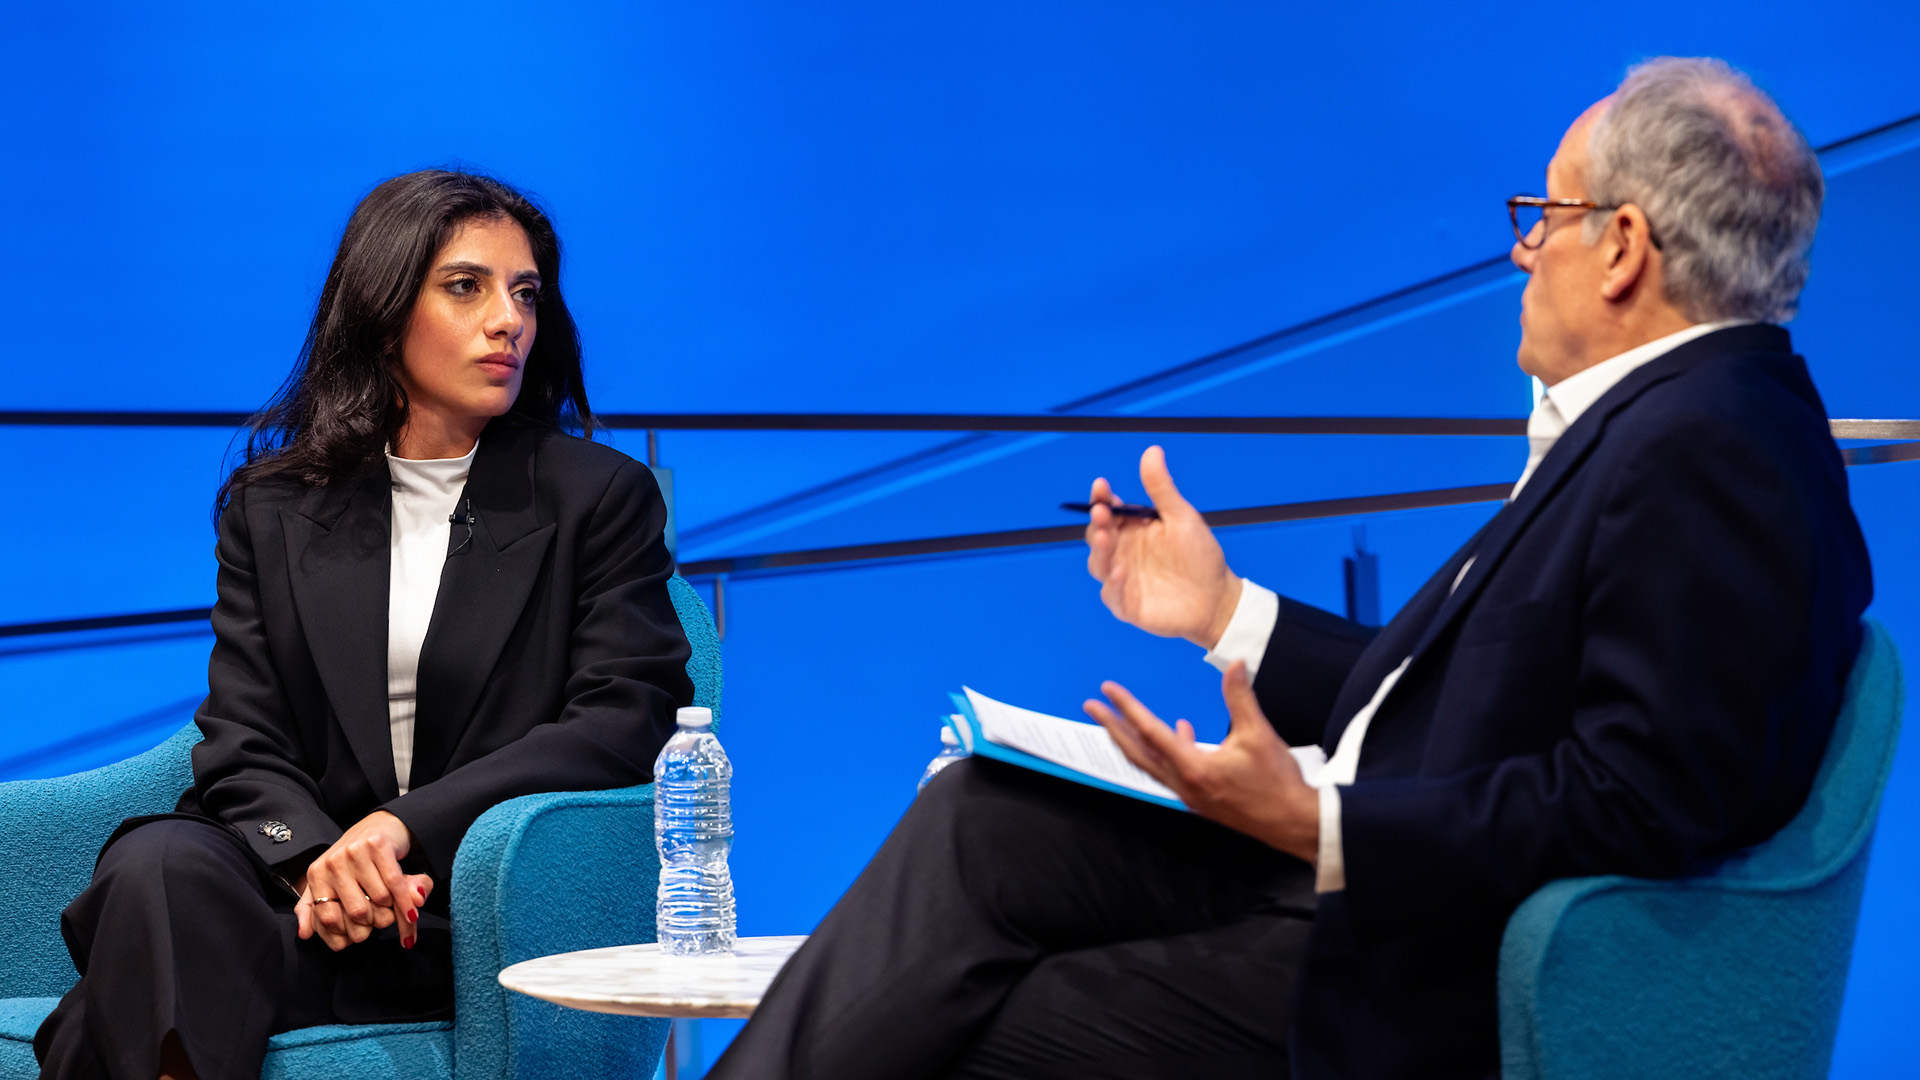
[(1258, 612), (425, 493)]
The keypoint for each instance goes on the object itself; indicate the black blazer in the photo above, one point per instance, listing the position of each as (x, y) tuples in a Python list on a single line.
[(1640, 671), (553, 662)]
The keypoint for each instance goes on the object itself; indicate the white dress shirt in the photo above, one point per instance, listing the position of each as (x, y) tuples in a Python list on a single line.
[(425, 493), (1259, 609)]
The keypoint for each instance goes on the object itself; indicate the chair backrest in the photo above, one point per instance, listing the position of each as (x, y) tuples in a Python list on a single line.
[(1838, 819), (50, 833), (1739, 970), (703, 667)]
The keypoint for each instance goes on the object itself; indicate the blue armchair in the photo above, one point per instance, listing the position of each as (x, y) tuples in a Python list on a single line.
[(504, 878), (1736, 972)]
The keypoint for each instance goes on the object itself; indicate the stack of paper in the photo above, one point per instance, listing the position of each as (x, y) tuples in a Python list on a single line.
[(1081, 752)]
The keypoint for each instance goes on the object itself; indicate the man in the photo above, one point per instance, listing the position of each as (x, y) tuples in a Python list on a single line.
[(1635, 665)]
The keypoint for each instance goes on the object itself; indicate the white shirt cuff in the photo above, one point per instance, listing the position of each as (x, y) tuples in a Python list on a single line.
[(1330, 871), (1254, 618)]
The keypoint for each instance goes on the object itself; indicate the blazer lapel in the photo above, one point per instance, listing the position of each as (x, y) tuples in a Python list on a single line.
[(337, 555), (1569, 452), (483, 589), (1396, 640), (1430, 612)]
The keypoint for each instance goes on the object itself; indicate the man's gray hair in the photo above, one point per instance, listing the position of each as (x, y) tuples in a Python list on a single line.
[(1729, 186)]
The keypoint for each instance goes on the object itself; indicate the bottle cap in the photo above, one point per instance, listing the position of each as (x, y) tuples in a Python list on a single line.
[(948, 738), (694, 716)]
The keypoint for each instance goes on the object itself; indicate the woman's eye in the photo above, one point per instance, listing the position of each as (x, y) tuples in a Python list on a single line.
[(528, 296), (462, 286)]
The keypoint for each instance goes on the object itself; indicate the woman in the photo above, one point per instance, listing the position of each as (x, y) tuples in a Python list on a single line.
[(431, 599)]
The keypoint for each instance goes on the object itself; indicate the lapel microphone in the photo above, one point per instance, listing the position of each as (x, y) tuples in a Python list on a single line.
[(463, 516)]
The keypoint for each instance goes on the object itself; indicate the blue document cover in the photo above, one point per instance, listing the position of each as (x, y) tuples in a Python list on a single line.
[(967, 726)]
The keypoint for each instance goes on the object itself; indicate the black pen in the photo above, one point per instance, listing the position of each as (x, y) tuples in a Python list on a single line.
[(1119, 510)]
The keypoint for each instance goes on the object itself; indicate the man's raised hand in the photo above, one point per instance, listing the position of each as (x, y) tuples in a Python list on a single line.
[(1166, 576)]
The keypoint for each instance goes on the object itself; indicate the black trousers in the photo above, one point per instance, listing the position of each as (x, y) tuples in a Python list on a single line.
[(1017, 925), (183, 930)]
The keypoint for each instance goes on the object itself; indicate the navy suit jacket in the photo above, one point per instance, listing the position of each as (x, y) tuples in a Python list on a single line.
[(1640, 671)]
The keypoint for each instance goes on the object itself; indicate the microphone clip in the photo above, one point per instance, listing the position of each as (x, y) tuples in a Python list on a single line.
[(463, 516)]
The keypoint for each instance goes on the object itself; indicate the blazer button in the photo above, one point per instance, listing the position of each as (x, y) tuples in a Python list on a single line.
[(276, 831)]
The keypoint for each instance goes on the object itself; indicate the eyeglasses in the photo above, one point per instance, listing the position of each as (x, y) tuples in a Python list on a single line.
[(1528, 214)]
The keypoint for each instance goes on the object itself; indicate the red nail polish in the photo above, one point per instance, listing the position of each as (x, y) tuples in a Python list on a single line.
[(408, 943), (412, 915)]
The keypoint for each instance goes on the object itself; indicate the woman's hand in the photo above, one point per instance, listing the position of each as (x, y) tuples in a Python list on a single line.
[(356, 886)]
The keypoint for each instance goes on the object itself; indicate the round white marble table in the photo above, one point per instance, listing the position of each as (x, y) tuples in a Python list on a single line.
[(640, 980)]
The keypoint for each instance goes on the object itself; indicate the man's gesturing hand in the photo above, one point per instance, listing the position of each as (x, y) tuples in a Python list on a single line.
[(356, 886), (1167, 577), (1251, 783)]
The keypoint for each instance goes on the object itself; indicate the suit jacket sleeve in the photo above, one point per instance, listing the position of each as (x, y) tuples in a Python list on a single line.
[(627, 678), (1309, 656), (248, 766), (1705, 598)]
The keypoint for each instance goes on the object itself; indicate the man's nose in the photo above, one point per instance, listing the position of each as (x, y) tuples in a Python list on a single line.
[(1523, 256)]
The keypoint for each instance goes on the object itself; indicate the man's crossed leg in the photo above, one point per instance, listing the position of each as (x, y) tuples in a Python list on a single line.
[(1015, 924)]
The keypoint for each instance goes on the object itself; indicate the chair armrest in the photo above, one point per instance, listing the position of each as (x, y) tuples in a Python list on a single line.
[(50, 834), (546, 874), (1614, 976)]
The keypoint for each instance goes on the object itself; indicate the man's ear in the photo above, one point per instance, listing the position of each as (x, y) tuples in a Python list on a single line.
[(1627, 246)]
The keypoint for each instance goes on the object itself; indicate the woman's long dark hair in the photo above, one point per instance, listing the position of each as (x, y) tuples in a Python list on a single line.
[(344, 401)]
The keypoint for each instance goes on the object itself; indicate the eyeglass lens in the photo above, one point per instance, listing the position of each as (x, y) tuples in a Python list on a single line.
[(1525, 219)]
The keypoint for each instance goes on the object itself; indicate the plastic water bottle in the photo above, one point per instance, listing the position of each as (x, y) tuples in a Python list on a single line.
[(693, 828), (950, 752)]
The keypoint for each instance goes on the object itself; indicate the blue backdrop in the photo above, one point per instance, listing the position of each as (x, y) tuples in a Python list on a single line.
[(998, 207)]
